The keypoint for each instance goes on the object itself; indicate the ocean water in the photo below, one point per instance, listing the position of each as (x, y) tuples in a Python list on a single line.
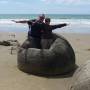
[(76, 23)]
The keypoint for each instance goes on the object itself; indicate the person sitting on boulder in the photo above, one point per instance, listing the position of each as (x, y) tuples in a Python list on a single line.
[(47, 33), (34, 33)]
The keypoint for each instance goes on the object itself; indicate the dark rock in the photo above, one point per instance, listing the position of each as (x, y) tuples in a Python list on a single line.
[(58, 59), (5, 43), (81, 77)]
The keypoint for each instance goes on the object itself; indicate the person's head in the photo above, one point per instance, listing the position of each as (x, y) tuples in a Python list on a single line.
[(41, 17), (47, 20)]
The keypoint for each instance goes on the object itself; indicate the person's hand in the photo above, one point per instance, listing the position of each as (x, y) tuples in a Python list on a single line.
[(66, 24), (13, 20)]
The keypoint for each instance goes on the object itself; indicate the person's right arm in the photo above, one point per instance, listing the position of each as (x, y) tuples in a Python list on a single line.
[(24, 21)]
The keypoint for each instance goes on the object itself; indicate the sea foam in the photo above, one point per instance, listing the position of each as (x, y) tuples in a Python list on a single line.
[(53, 21), (74, 25)]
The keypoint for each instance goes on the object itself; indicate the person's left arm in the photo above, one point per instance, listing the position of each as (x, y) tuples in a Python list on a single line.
[(58, 26)]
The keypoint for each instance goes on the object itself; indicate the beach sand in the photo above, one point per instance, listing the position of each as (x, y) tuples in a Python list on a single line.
[(11, 78)]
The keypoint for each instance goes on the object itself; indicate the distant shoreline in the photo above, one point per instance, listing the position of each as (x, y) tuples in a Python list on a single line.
[(53, 16)]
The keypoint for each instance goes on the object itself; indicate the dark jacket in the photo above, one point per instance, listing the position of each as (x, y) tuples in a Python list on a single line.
[(35, 28)]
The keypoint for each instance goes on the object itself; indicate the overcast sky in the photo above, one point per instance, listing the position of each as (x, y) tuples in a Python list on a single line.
[(45, 6)]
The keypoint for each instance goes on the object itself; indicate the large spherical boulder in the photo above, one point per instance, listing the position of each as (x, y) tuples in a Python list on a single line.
[(58, 59), (82, 77)]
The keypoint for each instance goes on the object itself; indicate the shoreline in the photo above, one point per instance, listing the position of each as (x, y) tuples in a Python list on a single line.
[(70, 28)]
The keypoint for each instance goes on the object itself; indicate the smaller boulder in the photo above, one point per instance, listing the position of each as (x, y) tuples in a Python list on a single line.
[(82, 77)]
